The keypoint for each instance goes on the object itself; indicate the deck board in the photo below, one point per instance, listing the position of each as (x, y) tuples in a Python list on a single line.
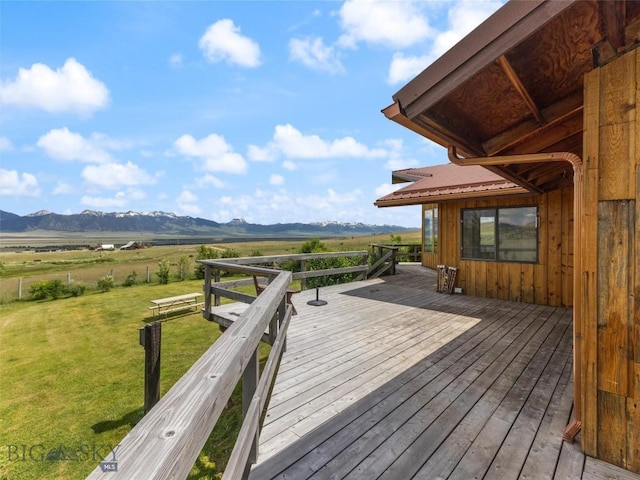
[(392, 380)]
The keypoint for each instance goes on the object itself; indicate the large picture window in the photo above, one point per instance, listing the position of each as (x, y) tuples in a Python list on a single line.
[(507, 234), (431, 229)]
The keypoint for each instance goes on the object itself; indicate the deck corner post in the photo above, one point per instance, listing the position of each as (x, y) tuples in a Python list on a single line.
[(152, 338)]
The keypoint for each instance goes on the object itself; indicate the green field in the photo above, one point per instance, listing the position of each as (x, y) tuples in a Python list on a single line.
[(71, 369)]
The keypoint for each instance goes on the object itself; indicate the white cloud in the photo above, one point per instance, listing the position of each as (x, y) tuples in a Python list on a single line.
[(400, 163), (314, 54), (223, 41), (258, 154), (217, 154), (175, 60), (276, 179), (394, 24), (283, 206), (209, 179), (385, 189), (404, 68), (71, 88), (187, 203), (291, 143), (114, 175), (5, 144), (21, 185), (62, 144), (289, 165), (102, 203), (62, 188), (463, 17)]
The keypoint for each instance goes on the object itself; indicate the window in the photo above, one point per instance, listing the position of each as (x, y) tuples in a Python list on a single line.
[(504, 234), (431, 229)]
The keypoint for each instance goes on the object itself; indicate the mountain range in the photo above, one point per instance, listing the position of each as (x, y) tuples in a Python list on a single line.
[(170, 223)]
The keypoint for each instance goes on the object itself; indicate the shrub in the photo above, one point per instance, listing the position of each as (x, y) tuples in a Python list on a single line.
[(130, 279), (47, 288), (183, 266), (204, 253), (105, 283), (163, 272), (39, 290), (76, 289)]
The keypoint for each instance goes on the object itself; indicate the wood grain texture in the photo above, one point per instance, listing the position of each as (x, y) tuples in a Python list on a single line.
[(613, 296), (415, 415), (589, 253)]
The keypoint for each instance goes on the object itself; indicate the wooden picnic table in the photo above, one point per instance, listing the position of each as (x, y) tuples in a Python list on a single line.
[(178, 303)]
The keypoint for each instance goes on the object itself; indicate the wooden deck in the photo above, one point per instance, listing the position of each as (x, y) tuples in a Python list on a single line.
[(392, 380)]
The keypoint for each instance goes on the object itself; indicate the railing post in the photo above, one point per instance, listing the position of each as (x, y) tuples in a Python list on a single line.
[(393, 261), (150, 339), (282, 312), (216, 279), (303, 268), (207, 291), (249, 385)]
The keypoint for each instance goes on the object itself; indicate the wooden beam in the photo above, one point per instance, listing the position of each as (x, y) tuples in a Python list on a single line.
[(522, 90), (505, 29), (553, 114), (393, 112), (613, 19)]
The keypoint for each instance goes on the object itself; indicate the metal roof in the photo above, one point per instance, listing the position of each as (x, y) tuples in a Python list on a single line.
[(448, 182)]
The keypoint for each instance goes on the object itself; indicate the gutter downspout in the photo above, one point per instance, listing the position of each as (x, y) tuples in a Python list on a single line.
[(576, 162)]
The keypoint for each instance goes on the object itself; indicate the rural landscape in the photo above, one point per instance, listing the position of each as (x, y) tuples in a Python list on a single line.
[(73, 335)]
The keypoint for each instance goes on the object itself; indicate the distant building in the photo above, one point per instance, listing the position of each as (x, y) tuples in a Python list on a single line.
[(106, 246), (131, 246)]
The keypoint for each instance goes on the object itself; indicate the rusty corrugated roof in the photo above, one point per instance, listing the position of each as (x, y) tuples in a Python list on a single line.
[(447, 182)]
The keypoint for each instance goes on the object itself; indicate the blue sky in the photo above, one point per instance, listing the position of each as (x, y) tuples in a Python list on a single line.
[(269, 111)]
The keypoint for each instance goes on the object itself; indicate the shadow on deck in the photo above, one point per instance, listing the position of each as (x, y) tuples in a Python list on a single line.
[(392, 380)]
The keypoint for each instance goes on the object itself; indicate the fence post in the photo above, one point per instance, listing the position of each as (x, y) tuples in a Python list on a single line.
[(150, 339), (20, 288), (249, 385), (148, 275), (68, 279)]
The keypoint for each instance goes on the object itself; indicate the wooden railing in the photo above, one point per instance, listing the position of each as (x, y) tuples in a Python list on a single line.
[(167, 441)]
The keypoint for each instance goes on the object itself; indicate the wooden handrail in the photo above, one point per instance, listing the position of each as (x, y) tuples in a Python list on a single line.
[(167, 441)]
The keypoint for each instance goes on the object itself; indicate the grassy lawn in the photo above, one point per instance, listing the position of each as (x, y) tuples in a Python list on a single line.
[(71, 374)]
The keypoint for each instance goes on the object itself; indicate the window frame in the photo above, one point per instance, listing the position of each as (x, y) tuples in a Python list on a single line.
[(496, 234), (433, 245)]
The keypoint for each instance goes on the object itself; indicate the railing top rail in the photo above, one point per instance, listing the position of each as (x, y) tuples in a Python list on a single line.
[(167, 441), (282, 258), (227, 265)]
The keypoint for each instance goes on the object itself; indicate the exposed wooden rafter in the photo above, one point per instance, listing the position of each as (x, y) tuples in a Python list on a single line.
[(613, 16), (517, 84), (555, 113), (430, 130)]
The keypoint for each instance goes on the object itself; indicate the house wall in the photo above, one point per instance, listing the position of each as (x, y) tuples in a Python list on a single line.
[(548, 282), (610, 264)]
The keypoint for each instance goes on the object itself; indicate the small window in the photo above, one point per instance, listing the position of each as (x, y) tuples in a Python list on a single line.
[(431, 229), (503, 234)]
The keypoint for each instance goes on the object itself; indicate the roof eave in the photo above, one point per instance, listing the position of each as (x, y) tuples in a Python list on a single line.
[(420, 200), (501, 32)]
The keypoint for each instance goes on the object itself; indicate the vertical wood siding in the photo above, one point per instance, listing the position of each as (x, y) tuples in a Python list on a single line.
[(547, 282), (610, 274)]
